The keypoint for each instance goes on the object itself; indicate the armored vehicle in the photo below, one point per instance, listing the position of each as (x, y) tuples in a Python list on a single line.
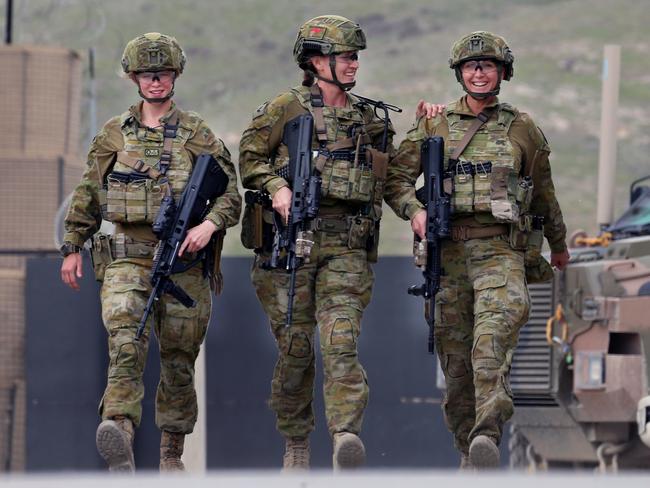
[(580, 375)]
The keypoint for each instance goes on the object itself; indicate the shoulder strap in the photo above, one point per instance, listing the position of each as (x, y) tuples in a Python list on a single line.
[(317, 105), (481, 119)]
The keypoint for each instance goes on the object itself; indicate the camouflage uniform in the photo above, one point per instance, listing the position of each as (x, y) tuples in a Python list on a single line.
[(126, 286), (483, 301), (335, 287)]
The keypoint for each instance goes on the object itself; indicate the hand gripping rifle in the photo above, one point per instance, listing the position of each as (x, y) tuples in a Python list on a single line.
[(437, 204), (207, 183), (293, 242)]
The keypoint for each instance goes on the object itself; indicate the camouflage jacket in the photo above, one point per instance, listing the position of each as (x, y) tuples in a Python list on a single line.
[(261, 142), (526, 140), (84, 216)]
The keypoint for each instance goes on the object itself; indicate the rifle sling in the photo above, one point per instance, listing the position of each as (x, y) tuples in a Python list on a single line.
[(481, 119)]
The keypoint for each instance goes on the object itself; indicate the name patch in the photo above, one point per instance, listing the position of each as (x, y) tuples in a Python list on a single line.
[(149, 152)]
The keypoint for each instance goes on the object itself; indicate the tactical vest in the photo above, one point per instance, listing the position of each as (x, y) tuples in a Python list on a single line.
[(351, 169), (487, 180), (141, 175)]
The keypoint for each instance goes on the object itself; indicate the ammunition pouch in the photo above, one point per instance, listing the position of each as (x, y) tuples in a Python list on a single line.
[(131, 198), (480, 187), (100, 254)]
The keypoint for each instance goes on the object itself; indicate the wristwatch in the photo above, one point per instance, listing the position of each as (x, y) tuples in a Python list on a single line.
[(68, 248)]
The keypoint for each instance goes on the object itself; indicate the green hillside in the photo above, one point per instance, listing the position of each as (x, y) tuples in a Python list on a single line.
[(239, 55)]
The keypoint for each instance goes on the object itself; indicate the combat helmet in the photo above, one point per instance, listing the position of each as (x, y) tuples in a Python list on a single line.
[(327, 35), (153, 52), (482, 45)]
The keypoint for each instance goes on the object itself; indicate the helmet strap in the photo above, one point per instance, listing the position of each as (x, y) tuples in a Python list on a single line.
[(157, 100), (477, 96), (335, 80)]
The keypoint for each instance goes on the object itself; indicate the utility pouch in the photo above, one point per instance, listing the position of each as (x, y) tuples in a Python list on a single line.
[(344, 181), (502, 195), (100, 254), (131, 197), (115, 199), (538, 269), (463, 196), (520, 233), (135, 197), (379, 162), (359, 229), (482, 187)]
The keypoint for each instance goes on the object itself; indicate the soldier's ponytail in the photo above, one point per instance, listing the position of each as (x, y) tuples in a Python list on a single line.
[(308, 78)]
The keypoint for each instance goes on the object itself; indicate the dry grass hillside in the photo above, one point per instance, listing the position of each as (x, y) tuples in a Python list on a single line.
[(239, 55)]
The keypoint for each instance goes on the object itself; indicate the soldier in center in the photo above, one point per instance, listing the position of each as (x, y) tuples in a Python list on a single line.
[(352, 147)]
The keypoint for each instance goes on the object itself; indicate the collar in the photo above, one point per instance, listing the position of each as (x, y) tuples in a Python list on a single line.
[(461, 107), (134, 115)]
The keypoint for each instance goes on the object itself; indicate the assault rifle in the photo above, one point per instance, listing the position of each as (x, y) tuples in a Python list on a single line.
[(293, 241), (437, 204), (207, 183)]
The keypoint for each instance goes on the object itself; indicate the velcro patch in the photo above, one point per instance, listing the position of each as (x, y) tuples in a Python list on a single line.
[(261, 110), (151, 152)]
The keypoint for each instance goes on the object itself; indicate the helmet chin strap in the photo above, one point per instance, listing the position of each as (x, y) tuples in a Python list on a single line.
[(156, 100), (335, 80), (478, 96)]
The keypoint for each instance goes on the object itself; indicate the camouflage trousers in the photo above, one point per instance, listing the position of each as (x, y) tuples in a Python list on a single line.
[(331, 293), (180, 332), (482, 304)]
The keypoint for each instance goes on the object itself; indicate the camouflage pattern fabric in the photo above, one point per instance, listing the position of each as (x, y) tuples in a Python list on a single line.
[(332, 290), (153, 52), (482, 45), (481, 307), (331, 293), (180, 332), (126, 285), (523, 136), (328, 34), (483, 300), (125, 133)]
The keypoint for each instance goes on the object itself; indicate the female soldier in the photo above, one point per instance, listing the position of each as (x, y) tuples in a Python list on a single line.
[(334, 287), (157, 139), (498, 162)]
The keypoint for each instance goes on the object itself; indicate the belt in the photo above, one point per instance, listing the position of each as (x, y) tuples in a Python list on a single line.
[(465, 233), (334, 225), (123, 246)]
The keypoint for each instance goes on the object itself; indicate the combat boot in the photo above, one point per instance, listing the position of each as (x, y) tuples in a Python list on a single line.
[(171, 450), (114, 440), (349, 452), (296, 454), (483, 453)]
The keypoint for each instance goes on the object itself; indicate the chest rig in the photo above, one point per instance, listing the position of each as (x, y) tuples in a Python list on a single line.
[(351, 169), (152, 164), (482, 166)]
